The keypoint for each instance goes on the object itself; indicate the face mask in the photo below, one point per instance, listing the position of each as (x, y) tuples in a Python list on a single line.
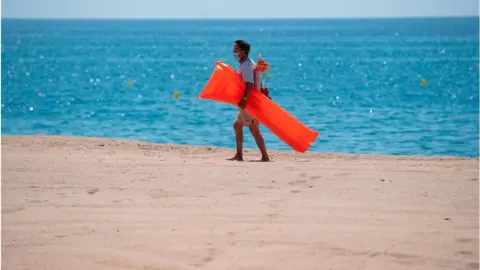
[(236, 56)]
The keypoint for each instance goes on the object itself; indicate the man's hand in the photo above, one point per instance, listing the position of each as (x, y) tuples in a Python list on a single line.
[(242, 103)]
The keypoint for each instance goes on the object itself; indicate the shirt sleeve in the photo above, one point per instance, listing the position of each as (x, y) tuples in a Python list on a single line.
[(247, 71)]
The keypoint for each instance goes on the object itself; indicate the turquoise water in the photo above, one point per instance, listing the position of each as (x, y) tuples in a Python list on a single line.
[(358, 82)]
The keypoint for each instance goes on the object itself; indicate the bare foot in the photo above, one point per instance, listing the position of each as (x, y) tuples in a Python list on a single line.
[(236, 158), (265, 159)]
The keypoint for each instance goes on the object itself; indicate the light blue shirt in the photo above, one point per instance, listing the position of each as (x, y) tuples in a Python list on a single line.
[(246, 71), (249, 75)]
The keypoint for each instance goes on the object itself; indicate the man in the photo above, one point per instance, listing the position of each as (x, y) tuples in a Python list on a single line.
[(241, 49)]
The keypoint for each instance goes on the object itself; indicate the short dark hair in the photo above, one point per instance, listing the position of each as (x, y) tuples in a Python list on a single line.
[(242, 44)]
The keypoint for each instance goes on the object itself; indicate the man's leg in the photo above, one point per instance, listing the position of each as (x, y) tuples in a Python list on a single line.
[(255, 130), (238, 127)]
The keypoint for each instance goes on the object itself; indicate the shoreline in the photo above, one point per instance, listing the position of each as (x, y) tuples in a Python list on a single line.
[(209, 148)]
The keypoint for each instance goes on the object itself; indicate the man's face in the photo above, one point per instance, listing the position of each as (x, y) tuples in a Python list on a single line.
[(236, 49)]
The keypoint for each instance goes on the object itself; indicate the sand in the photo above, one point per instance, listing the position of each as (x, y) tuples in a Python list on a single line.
[(89, 203)]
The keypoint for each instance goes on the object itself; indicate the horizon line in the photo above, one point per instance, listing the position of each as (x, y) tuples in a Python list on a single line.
[(245, 18)]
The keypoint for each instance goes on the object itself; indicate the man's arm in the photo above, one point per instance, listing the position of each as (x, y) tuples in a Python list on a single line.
[(248, 78), (248, 89)]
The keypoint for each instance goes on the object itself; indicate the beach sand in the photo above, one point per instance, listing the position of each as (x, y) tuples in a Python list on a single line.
[(89, 203)]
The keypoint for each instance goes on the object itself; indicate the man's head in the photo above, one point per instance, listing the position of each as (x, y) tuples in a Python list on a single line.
[(241, 49)]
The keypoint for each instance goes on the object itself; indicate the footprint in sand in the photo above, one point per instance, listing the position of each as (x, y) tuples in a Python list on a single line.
[(465, 240), (92, 191), (302, 183), (160, 193), (11, 210), (148, 179), (343, 174), (272, 215), (465, 253), (297, 182), (212, 252), (472, 265), (238, 193), (34, 201)]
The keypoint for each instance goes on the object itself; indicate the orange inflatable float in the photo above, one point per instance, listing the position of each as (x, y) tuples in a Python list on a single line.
[(226, 86)]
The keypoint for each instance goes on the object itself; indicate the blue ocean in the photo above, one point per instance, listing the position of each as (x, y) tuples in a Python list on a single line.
[(373, 86)]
